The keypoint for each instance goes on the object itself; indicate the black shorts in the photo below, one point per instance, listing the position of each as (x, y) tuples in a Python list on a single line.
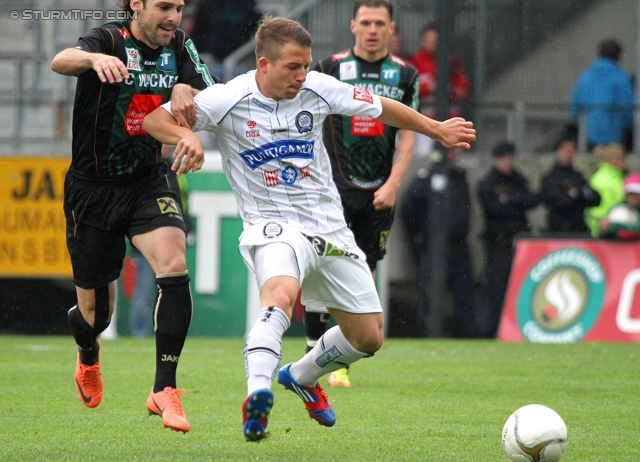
[(369, 226), (100, 212)]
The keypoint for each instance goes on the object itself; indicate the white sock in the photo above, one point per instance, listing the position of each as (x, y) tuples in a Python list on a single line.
[(263, 348), (332, 352)]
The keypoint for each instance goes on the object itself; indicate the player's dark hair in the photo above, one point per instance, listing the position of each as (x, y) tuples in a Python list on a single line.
[(127, 7), (273, 33), (610, 48), (373, 4)]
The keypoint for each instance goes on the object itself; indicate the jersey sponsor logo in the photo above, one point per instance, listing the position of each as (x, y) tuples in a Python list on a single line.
[(366, 126), (360, 94), (133, 59), (166, 61), (279, 150), (140, 106), (339, 56), (272, 230), (124, 32), (381, 89), (275, 131), (167, 205), (153, 80), (390, 74), (261, 105), (288, 175), (304, 122), (348, 70)]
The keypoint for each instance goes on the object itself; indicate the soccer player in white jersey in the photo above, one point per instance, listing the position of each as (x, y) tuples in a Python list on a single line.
[(268, 123)]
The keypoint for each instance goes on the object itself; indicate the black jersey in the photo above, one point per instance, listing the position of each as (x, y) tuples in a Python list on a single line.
[(361, 148), (108, 139)]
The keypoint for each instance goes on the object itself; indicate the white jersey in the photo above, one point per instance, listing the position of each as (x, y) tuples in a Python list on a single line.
[(272, 151)]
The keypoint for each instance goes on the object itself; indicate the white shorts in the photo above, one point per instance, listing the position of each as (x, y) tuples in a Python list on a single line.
[(331, 269)]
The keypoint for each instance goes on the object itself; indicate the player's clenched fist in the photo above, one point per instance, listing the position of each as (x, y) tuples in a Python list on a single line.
[(457, 133)]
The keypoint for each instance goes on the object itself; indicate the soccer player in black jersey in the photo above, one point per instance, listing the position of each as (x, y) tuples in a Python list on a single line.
[(117, 186), (367, 164)]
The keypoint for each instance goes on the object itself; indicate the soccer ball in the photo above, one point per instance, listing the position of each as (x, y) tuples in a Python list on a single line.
[(534, 433)]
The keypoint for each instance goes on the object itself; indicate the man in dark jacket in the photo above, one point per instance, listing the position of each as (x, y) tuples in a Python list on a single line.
[(415, 214), (505, 196), (565, 192)]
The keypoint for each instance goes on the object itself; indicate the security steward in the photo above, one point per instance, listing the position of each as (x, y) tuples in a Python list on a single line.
[(505, 196)]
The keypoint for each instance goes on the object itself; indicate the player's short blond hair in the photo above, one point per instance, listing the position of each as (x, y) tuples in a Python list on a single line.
[(273, 33)]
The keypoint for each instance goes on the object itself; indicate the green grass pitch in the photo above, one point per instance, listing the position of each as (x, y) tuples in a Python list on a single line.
[(422, 400)]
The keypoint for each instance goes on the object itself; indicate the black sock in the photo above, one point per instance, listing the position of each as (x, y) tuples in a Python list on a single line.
[(174, 309), (315, 326), (85, 337)]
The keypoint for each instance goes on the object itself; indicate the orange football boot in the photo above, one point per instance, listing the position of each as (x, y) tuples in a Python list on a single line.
[(166, 403)]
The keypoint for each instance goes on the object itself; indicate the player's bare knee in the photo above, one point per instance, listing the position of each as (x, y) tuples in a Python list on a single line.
[(370, 342), (284, 302), (176, 265)]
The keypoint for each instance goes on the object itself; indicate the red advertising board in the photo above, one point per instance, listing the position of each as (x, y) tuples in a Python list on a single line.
[(571, 290)]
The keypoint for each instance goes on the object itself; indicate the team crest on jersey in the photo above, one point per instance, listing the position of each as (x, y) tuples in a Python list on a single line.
[(304, 121), (287, 175), (272, 230), (133, 59), (166, 61), (360, 94), (339, 56), (348, 70)]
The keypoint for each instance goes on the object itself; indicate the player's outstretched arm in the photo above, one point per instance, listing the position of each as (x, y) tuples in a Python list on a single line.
[(73, 61), (452, 133), (189, 153)]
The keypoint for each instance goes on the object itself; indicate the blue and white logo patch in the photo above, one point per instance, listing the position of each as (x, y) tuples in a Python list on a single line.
[(328, 356), (166, 62), (390, 74), (280, 150)]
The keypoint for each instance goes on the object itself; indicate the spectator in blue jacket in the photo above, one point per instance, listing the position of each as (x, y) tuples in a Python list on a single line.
[(605, 91)]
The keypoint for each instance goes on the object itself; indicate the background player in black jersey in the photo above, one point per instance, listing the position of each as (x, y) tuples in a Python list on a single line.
[(368, 164), (117, 186)]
